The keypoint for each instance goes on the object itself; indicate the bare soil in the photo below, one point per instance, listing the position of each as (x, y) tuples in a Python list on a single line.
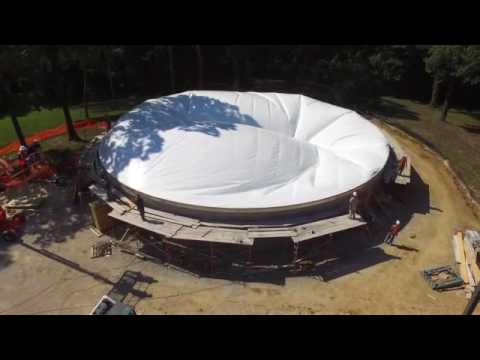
[(51, 271)]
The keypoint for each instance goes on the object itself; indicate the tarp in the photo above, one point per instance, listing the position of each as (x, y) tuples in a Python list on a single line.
[(242, 150)]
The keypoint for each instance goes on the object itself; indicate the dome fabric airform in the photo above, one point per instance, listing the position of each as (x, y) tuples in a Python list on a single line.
[(237, 150)]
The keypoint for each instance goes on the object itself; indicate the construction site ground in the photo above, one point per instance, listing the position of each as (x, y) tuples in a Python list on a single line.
[(51, 272)]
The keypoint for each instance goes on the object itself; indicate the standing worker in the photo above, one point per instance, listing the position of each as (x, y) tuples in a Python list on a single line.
[(76, 190), (108, 187), (22, 158), (353, 205), (140, 207), (394, 230), (3, 215), (401, 165)]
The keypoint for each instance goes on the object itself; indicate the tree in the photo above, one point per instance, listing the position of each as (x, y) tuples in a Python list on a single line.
[(442, 63), (239, 55), (171, 68), (198, 51), (89, 57), (453, 65), (108, 53), (156, 53), (233, 53), (58, 66), (357, 74), (437, 81), (387, 63), (17, 95)]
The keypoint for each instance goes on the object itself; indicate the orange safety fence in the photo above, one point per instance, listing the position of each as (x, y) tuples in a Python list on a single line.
[(50, 133)]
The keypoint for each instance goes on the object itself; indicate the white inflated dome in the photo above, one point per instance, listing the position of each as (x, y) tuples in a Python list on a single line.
[(242, 150)]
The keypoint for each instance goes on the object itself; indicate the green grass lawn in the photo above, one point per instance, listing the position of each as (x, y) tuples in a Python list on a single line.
[(457, 139), (46, 119)]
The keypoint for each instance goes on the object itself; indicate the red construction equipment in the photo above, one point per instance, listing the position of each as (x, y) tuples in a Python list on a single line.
[(30, 165), (10, 227), (22, 173)]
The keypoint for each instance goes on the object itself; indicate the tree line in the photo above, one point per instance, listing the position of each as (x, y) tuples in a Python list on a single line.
[(33, 77)]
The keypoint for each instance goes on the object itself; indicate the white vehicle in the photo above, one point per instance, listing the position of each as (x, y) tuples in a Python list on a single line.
[(108, 306)]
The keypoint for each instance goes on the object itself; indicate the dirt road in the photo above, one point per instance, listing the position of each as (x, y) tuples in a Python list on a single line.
[(51, 273)]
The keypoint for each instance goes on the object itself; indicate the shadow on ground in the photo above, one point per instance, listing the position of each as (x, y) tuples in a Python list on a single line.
[(58, 220), (5, 257), (384, 108), (472, 129), (128, 286), (124, 289), (475, 115), (73, 265)]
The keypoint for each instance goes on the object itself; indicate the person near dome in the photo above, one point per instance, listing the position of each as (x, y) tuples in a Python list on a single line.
[(353, 205), (394, 230)]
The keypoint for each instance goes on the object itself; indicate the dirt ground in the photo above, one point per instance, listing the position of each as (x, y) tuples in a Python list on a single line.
[(51, 271)]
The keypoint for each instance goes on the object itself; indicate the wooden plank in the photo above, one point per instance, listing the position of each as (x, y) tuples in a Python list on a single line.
[(252, 227), (118, 207), (163, 228), (187, 233), (407, 171), (462, 266), (238, 237), (203, 233), (325, 227), (122, 203), (172, 230), (95, 231), (123, 198), (322, 232), (456, 250), (183, 220), (197, 233), (271, 234), (470, 277), (470, 256), (31, 196), (270, 229), (25, 203), (342, 219)]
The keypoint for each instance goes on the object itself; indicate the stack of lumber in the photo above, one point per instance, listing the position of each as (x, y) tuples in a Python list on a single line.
[(466, 246), (29, 197)]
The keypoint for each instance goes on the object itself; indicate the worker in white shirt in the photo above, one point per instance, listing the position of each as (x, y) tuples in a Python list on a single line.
[(353, 205)]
